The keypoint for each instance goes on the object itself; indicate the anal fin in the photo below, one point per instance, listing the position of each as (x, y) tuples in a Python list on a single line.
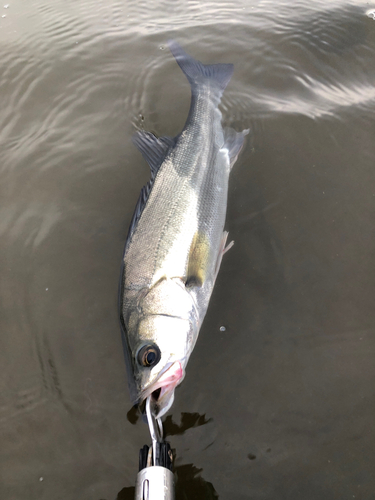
[(222, 250), (233, 143)]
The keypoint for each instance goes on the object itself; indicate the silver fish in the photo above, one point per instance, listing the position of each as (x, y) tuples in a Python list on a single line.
[(176, 239)]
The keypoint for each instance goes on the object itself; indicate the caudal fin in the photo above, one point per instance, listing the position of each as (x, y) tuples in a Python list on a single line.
[(218, 75)]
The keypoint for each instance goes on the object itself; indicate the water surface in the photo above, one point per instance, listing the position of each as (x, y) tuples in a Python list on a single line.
[(280, 404)]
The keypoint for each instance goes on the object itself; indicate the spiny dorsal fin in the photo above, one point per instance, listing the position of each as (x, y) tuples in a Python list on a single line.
[(154, 149)]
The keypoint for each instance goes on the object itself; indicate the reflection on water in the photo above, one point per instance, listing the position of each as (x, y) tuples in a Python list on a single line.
[(293, 371)]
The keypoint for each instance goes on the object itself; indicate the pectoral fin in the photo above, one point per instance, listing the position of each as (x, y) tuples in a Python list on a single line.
[(199, 256), (198, 260)]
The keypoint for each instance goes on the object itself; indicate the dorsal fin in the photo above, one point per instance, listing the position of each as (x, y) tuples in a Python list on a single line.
[(154, 150)]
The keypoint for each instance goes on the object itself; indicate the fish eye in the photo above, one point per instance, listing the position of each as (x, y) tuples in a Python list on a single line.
[(149, 355)]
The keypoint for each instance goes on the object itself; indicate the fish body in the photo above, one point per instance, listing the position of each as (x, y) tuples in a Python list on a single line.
[(176, 239)]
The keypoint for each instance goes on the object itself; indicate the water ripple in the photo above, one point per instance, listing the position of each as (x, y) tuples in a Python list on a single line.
[(77, 78), (279, 53)]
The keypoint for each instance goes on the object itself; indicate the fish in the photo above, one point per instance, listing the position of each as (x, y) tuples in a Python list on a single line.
[(176, 238)]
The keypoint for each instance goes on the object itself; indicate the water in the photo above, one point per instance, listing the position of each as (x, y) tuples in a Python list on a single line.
[(280, 403)]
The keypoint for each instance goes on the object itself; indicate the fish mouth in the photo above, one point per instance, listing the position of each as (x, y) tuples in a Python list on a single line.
[(165, 384)]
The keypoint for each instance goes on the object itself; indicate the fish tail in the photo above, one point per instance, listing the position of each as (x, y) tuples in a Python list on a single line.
[(198, 74)]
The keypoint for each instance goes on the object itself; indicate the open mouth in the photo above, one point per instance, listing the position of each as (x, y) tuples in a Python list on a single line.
[(166, 382), (155, 395)]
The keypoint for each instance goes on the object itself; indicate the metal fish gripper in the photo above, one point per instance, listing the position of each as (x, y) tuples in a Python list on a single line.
[(155, 479)]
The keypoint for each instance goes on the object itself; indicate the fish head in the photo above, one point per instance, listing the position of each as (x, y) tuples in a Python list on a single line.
[(160, 355)]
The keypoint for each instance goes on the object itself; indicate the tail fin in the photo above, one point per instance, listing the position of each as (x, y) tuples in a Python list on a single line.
[(199, 74)]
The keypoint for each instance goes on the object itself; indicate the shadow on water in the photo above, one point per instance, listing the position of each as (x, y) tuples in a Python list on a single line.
[(133, 415), (190, 485), (126, 493), (188, 421)]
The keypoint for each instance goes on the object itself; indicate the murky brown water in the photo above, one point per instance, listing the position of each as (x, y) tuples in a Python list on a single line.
[(281, 404)]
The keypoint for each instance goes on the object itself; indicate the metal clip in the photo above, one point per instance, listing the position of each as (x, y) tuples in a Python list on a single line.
[(156, 429)]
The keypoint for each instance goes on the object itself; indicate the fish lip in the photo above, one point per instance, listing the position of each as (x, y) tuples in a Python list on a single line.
[(167, 381)]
